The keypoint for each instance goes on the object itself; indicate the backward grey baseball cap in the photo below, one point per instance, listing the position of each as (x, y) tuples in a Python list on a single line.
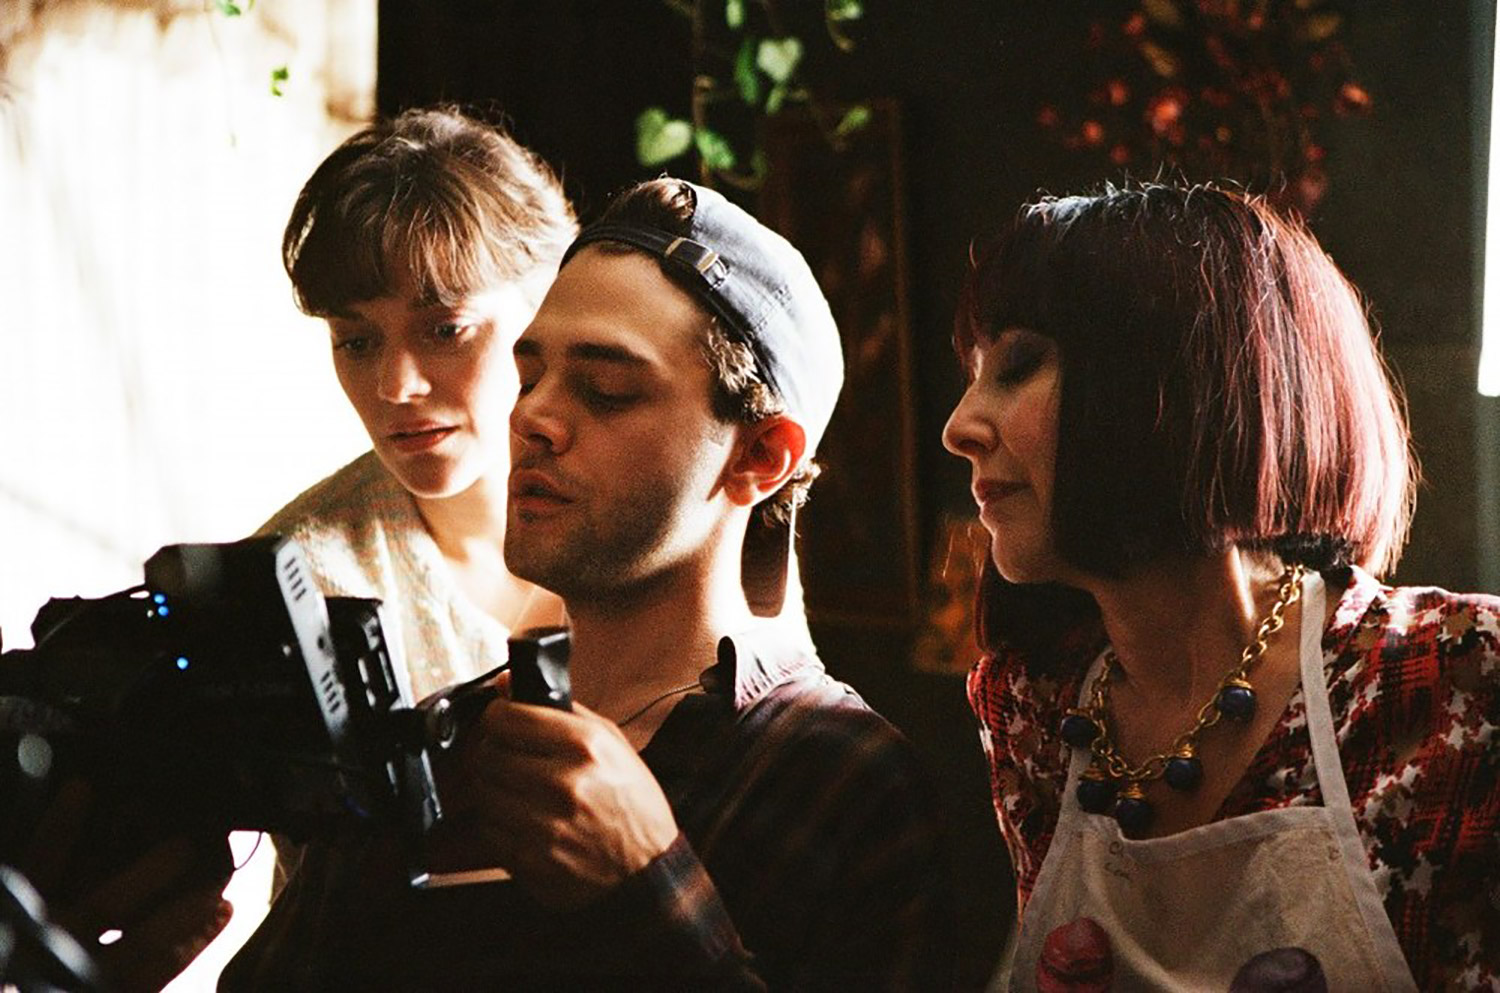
[(762, 291)]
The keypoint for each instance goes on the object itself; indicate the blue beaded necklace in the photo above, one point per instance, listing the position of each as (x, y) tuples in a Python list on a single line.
[(1111, 784)]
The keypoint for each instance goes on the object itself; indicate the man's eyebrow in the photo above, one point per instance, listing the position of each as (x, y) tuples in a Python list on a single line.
[(586, 351), (595, 352)]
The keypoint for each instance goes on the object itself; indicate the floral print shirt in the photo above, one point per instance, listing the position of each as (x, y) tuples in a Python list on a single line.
[(1414, 685)]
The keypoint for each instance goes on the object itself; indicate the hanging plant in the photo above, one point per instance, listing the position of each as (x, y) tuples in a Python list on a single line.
[(238, 8), (1236, 89), (747, 67)]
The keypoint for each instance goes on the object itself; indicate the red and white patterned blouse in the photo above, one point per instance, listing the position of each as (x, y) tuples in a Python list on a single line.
[(1414, 685)]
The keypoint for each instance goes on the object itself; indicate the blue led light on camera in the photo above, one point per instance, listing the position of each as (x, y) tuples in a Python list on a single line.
[(159, 597), (182, 662)]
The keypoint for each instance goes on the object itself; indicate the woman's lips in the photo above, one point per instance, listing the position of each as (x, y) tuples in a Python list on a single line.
[(419, 439), (988, 491)]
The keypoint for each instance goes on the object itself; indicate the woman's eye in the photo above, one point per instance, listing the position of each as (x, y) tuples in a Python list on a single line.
[(1019, 361), (353, 346), (451, 331), (1017, 369)]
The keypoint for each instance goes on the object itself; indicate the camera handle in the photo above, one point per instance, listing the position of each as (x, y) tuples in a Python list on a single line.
[(539, 675), (539, 668)]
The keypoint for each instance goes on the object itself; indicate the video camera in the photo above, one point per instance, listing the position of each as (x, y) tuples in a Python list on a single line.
[(227, 692)]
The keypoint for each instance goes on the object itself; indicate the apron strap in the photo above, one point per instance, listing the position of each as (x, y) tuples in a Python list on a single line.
[(1335, 790)]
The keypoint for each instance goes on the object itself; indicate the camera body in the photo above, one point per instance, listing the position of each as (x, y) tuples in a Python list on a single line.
[(225, 693)]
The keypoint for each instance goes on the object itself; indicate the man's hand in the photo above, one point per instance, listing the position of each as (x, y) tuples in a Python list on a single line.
[(559, 799)]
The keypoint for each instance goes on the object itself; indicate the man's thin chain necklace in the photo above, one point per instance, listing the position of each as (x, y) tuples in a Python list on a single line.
[(1111, 783), (669, 693)]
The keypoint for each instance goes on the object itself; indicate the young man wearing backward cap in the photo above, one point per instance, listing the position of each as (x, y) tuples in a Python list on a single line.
[(716, 811)]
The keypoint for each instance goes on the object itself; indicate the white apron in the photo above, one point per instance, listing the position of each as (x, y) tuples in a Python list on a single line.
[(1289, 888)]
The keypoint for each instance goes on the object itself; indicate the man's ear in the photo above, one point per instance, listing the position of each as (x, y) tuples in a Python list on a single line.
[(765, 456)]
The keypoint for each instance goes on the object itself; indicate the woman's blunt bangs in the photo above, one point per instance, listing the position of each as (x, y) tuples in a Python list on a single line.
[(1011, 283), (444, 199), (357, 246)]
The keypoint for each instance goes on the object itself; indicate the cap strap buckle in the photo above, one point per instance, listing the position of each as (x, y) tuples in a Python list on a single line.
[(701, 258)]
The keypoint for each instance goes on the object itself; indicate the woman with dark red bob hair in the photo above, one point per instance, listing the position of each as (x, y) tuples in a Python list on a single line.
[(1223, 754)]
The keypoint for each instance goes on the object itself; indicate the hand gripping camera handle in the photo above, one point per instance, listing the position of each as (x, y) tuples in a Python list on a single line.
[(539, 675)]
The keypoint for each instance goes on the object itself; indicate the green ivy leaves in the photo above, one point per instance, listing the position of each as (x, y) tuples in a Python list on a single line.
[(778, 59), (659, 138), (837, 14), (856, 118), (759, 73), (231, 8), (714, 149), (746, 79)]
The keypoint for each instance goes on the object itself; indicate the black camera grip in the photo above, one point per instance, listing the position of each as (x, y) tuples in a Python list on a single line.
[(539, 668), (539, 675)]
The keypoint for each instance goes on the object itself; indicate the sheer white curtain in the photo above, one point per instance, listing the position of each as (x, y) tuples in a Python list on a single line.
[(156, 383)]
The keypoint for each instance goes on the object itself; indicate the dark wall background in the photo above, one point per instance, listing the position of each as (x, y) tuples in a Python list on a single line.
[(570, 76)]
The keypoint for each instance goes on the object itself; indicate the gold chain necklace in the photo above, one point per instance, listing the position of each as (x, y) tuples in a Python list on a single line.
[(1111, 783)]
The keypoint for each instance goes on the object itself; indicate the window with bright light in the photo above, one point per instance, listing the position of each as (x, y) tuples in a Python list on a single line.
[(1489, 349), (157, 385)]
